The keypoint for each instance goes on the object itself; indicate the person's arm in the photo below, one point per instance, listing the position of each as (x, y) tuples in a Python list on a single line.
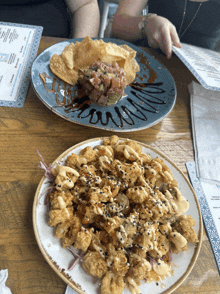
[(159, 31), (85, 17), (127, 19)]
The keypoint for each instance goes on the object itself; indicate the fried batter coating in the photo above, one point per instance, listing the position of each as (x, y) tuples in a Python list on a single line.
[(57, 216), (83, 239), (56, 202), (137, 194), (70, 237), (161, 268), (139, 266), (112, 182), (132, 286), (180, 243), (162, 246), (112, 284), (106, 151), (105, 163), (75, 160), (127, 151), (111, 224), (124, 210), (94, 264), (96, 244), (97, 195), (89, 153), (65, 177), (117, 260), (127, 230), (88, 176), (126, 173), (183, 225), (112, 141)]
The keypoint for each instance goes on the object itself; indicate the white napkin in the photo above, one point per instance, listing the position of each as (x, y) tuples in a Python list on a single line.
[(205, 114), (3, 278), (69, 290)]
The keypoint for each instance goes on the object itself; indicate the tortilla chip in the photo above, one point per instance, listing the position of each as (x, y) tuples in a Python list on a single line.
[(68, 55), (130, 50), (114, 52), (59, 68), (130, 68), (87, 52), (81, 55)]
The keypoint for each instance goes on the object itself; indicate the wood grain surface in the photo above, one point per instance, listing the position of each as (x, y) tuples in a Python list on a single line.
[(23, 130)]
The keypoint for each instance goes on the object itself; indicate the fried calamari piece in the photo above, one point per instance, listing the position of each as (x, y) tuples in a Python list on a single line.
[(112, 141), (105, 151), (112, 284), (176, 200), (146, 239), (105, 163), (128, 230), (178, 241), (76, 161), (97, 195), (94, 264), (127, 151), (57, 216), (111, 224), (162, 268), (79, 192), (137, 194), (58, 197), (132, 285), (183, 225), (117, 260), (113, 183), (165, 229), (70, 236), (83, 239), (139, 266), (89, 215), (65, 177), (88, 177), (162, 246), (97, 245), (89, 153), (72, 225)]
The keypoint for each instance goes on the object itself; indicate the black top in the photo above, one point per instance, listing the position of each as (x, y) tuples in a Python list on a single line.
[(204, 31), (52, 15), (21, 2)]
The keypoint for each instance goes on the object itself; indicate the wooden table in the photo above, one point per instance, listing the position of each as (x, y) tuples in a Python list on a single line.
[(22, 130)]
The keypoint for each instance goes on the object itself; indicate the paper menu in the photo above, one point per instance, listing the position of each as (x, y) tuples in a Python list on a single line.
[(203, 63), (208, 196), (18, 48)]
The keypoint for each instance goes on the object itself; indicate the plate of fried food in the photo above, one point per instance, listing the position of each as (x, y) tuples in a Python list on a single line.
[(116, 216), (103, 83)]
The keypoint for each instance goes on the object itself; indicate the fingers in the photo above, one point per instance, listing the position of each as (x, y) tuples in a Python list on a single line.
[(175, 38), (161, 33), (166, 43)]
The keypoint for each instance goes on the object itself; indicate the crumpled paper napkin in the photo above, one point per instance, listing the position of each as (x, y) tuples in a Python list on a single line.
[(205, 115), (3, 278)]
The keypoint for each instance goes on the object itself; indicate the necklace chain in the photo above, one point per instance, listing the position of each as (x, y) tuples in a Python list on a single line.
[(184, 13)]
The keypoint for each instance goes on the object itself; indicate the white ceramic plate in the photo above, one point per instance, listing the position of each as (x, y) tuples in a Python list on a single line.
[(59, 258)]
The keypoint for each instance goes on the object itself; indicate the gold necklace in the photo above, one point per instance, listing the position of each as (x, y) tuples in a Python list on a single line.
[(184, 13)]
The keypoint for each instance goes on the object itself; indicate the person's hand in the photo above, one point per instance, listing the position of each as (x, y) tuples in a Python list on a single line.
[(161, 33)]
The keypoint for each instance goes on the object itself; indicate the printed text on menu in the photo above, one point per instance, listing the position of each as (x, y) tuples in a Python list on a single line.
[(15, 43), (204, 64)]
